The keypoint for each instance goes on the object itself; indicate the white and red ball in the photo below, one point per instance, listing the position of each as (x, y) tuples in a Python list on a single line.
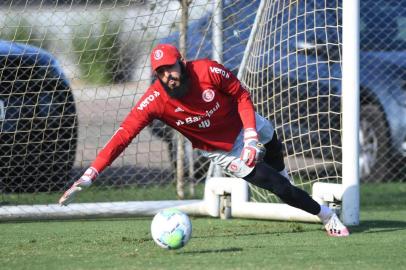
[(171, 229)]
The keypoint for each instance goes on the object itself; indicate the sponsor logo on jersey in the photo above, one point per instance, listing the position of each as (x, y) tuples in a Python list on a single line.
[(158, 54), (210, 112), (188, 120), (208, 95), (193, 119), (148, 100), (179, 122), (217, 70), (179, 109)]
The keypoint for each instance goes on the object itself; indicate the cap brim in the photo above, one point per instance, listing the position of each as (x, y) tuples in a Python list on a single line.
[(166, 62)]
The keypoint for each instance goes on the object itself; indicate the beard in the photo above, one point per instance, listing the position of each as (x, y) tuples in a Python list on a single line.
[(181, 90)]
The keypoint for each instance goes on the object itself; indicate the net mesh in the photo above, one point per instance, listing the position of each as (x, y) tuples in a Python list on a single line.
[(71, 72), (294, 72)]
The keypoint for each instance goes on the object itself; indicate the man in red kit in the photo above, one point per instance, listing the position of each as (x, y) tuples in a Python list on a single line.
[(207, 104)]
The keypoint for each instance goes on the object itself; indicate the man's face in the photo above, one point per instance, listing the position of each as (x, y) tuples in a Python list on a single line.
[(174, 79), (170, 75)]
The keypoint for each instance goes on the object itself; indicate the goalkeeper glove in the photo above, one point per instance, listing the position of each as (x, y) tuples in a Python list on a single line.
[(253, 151), (84, 181)]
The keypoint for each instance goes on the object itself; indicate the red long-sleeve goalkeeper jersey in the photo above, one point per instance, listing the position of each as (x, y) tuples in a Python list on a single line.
[(210, 115)]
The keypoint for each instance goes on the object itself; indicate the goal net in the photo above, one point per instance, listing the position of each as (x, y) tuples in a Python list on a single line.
[(72, 71), (294, 72)]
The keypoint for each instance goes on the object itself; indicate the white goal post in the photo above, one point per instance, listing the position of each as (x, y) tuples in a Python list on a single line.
[(299, 58)]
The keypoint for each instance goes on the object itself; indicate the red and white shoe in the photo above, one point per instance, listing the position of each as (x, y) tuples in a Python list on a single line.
[(335, 227)]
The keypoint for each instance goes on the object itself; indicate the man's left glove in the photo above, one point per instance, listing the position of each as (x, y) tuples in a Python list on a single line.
[(253, 151), (84, 181)]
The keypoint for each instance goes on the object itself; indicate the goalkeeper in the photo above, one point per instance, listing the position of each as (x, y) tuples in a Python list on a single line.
[(207, 104)]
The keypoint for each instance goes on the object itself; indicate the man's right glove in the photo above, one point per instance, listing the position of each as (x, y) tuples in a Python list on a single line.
[(84, 181), (253, 151)]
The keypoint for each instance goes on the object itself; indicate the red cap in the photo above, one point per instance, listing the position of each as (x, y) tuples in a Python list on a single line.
[(164, 55)]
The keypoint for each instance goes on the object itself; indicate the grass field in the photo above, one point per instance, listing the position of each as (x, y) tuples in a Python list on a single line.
[(379, 242)]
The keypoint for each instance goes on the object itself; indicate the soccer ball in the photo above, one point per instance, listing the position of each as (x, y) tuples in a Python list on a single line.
[(171, 229)]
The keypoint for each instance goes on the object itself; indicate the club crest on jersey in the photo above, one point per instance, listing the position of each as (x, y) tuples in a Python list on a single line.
[(158, 54), (208, 95)]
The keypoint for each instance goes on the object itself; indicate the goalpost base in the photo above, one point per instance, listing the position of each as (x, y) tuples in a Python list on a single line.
[(219, 189)]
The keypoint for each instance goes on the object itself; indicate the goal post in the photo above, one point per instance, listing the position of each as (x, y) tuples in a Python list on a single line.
[(351, 112), (295, 57)]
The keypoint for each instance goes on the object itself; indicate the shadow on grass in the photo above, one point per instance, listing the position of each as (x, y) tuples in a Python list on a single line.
[(292, 228), (379, 226), (205, 251)]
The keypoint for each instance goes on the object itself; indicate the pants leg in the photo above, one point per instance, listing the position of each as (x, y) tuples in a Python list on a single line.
[(266, 175)]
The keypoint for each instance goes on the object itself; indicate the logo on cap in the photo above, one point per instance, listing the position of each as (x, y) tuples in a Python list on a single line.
[(158, 54), (208, 95)]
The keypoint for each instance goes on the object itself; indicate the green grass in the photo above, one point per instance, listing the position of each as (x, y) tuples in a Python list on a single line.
[(377, 243)]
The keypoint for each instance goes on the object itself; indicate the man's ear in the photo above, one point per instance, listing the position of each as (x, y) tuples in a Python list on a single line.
[(154, 76)]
